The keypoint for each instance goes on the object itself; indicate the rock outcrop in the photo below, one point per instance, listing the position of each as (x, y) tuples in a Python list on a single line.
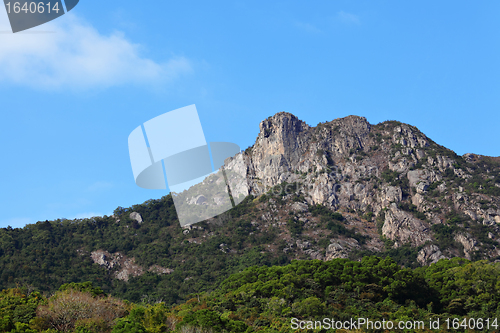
[(402, 227), (136, 217), (340, 248), (430, 254), (123, 267)]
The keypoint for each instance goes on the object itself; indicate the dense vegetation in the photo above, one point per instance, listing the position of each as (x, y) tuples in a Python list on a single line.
[(48, 254), (265, 299)]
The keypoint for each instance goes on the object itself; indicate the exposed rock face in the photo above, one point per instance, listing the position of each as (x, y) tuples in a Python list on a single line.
[(468, 243), (299, 207), (390, 194), (236, 170), (287, 145), (160, 270), (123, 267), (430, 254), (101, 258), (339, 248), (303, 244), (314, 254), (419, 180), (350, 165), (330, 156), (136, 216), (279, 146), (402, 227)]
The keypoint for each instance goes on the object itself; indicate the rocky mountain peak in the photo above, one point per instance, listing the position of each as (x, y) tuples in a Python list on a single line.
[(392, 176), (281, 122), (279, 134)]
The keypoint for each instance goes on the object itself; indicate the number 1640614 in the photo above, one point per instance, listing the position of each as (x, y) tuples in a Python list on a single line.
[(32, 7)]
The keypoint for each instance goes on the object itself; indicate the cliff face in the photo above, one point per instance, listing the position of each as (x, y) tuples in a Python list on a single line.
[(389, 177)]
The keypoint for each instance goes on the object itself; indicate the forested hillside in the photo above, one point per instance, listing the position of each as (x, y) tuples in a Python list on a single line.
[(278, 298), (48, 254)]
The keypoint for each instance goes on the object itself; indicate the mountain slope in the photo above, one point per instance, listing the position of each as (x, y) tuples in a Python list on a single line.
[(420, 192), (342, 189)]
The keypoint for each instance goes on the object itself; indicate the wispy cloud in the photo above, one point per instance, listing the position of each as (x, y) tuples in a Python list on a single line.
[(77, 56), (347, 18), (307, 27)]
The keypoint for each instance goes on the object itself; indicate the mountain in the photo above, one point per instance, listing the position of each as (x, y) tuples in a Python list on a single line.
[(420, 193), (342, 189)]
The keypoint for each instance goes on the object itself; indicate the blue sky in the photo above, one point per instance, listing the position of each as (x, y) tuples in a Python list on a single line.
[(71, 97)]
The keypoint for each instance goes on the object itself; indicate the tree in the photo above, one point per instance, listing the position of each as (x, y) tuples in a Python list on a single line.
[(68, 307)]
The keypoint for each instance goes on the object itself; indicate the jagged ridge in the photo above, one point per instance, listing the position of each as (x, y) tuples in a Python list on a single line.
[(419, 191)]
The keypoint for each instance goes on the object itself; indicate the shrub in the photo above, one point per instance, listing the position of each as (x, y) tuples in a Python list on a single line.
[(128, 326), (68, 307), (309, 307)]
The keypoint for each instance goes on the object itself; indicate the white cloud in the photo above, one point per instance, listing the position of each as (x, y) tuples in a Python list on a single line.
[(77, 56), (348, 18)]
